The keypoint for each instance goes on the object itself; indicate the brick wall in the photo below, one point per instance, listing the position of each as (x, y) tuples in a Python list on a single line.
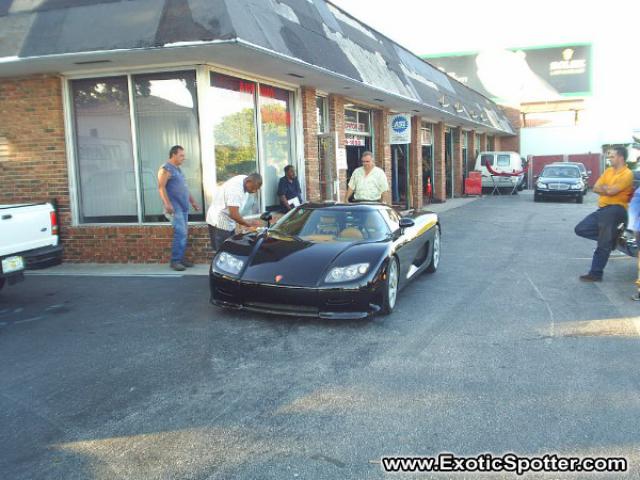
[(336, 124), (512, 143), (483, 142), (471, 150), (382, 147), (32, 124), (458, 167), (415, 165), (310, 137), (439, 172)]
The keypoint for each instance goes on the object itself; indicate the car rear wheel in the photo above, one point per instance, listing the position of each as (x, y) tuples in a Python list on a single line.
[(391, 287), (435, 254)]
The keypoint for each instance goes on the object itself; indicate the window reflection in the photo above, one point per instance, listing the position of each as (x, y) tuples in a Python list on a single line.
[(234, 128), (167, 115)]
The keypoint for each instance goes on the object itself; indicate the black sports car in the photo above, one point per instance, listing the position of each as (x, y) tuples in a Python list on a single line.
[(340, 261)]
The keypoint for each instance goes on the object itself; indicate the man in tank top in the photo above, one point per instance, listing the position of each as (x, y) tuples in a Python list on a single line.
[(176, 199)]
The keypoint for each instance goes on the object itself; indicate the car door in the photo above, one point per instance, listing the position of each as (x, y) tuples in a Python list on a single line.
[(405, 243)]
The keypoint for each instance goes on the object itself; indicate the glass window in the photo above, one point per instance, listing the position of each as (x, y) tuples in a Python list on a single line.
[(425, 134), (275, 118), (321, 114), (357, 122), (107, 186), (351, 120), (392, 218), (364, 123), (234, 126), (166, 108), (325, 225), (487, 158), (504, 160)]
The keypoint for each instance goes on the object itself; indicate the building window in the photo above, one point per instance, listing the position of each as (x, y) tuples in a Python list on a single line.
[(252, 132), (105, 164), (357, 127), (114, 185), (477, 145), (490, 144), (166, 112), (234, 126), (275, 124)]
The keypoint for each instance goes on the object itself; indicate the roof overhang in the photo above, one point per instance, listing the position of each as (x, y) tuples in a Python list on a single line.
[(236, 55)]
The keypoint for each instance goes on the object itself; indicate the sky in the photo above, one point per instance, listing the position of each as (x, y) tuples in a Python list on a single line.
[(612, 27)]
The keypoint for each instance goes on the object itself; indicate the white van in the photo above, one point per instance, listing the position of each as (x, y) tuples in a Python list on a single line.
[(500, 162)]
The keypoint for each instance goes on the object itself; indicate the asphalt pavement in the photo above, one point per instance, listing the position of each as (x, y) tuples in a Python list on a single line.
[(501, 350)]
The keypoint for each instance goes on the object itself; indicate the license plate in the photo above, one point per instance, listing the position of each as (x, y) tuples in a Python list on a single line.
[(12, 264)]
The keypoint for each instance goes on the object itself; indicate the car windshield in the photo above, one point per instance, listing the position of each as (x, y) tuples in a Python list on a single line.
[(561, 172), (333, 225)]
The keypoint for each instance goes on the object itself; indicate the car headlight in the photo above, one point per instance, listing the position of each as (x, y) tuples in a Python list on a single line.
[(577, 186), (348, 273), (228, 263), (541, 185)]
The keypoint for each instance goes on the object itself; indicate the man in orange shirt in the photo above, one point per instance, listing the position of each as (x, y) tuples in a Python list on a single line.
[(615, 187)]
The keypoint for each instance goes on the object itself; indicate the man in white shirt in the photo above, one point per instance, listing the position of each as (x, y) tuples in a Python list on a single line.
[(368, 183), (232, 201)]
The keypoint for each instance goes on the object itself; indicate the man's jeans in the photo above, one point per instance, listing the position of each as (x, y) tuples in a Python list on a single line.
[(218, 236), (602, 226), (180, 232)]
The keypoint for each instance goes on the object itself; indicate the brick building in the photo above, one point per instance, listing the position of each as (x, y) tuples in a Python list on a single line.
[(94, 92)]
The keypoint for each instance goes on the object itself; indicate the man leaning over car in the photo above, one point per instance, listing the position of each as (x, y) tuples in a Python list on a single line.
[(615, 187)]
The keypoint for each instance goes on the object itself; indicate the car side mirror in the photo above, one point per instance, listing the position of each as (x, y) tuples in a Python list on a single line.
[(266, 217), (588, 173), (406, 223)]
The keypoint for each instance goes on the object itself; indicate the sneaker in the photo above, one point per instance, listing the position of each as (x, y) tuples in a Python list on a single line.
[(187, 263), (590, 278), (178, 266)]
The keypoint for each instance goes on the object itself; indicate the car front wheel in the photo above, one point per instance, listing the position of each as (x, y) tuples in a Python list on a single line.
[(435, 254), (580, 199), (391, 287)]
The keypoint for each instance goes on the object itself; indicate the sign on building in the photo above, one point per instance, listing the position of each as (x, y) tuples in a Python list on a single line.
[(399, 128), (534, 74)]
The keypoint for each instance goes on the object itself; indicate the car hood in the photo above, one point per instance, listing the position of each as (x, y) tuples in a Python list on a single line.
[(296, 262)]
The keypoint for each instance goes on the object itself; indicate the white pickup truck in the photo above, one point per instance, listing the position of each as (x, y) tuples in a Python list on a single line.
[(28, 239)]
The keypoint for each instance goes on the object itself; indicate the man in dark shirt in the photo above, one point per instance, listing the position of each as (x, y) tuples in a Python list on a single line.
[(289, 189)]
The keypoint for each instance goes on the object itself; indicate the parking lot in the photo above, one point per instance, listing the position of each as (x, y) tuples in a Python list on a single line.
[(502, 350)]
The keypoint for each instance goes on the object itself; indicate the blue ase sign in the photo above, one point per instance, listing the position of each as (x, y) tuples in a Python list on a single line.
[(399, 128)]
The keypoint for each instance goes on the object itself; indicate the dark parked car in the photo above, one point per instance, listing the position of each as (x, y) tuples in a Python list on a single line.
[(586, 174), (560, 181), (340, 261)]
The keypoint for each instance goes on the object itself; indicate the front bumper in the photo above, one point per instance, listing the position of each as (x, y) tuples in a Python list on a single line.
[(43, 257), (559, 193), (325, 302)]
